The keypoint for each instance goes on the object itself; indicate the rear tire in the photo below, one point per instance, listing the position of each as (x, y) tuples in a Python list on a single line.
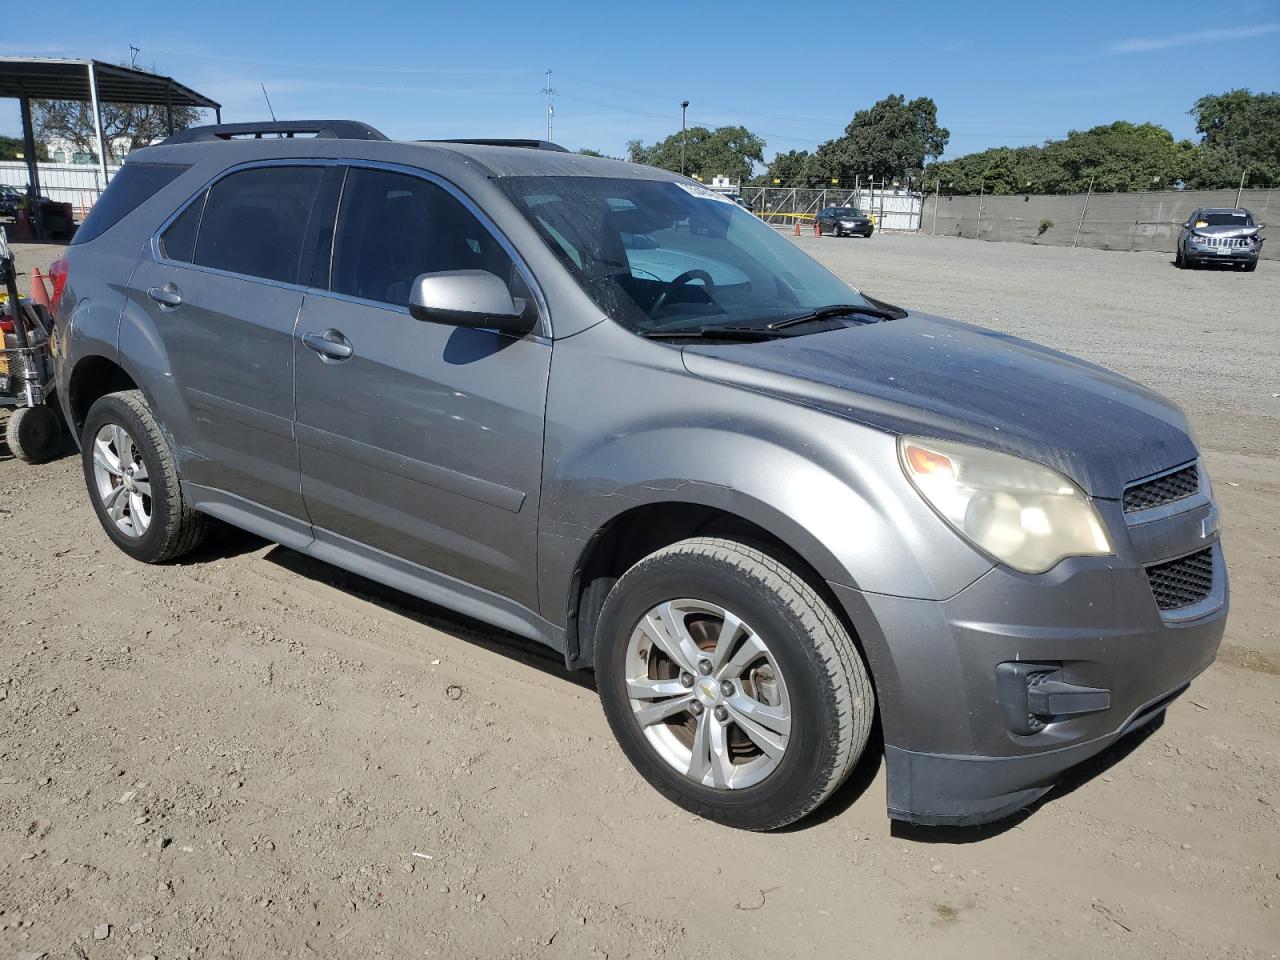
[(132, 479), (34, 434), (751, 640)]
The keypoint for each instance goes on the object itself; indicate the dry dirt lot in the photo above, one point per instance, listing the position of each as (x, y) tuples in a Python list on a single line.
[(248, 754)]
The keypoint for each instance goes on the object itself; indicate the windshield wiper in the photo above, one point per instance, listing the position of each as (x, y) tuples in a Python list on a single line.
[(716, 333), (837, 310)]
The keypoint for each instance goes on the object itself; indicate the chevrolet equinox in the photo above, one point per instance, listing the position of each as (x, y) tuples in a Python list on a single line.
[(599, 406)]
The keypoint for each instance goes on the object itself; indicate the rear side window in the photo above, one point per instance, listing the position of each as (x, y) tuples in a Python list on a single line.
[(135, 184), (393, 227), (254, 221), (179, 241)]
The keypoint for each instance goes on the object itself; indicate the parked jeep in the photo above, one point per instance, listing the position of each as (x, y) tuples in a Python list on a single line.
[(600, 406), (1219, 235)]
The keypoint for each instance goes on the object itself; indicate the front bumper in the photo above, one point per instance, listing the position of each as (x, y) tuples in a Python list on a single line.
[(862, 228), (1227, 255), (956, 749)]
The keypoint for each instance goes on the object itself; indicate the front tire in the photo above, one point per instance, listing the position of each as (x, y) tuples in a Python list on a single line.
[(132, 479), (1179, 260), (730, 684)]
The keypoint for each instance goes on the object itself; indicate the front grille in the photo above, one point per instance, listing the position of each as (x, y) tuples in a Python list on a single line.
[(1183, 582), (1227, 242), (1165, 489)]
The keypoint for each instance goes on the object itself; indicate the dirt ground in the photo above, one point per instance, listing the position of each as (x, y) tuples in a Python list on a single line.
[(249, 754)]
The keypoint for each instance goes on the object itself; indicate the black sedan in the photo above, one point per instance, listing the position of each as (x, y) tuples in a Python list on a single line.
[(844, 222)]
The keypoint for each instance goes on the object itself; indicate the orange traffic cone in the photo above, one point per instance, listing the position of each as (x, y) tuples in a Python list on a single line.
[(797, 232), (39, 293), (816, 231)]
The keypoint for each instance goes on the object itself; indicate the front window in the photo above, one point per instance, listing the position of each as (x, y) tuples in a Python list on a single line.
[(662, 255), (847, 213)]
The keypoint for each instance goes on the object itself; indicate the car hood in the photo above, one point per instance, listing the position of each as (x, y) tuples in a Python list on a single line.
[(935, 377)]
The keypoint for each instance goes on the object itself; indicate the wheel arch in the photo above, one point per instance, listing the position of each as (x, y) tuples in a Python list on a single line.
[(634, 533), (93, 377)]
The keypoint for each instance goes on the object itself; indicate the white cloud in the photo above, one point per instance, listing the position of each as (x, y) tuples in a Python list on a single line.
[(1147, 44)]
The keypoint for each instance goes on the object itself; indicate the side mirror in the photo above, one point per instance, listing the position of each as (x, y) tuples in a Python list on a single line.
[(468, 298)]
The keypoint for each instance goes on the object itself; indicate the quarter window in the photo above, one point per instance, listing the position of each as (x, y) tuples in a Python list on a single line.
[(179, 241), (255, 220), (393, 227)]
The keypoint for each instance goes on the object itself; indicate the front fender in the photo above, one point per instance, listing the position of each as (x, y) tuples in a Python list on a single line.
[(627, 426)]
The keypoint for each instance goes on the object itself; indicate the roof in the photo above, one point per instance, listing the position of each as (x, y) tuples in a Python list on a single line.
[(49, 78), (456, 160)]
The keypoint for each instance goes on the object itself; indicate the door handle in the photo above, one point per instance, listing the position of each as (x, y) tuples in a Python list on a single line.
[(167, 296), (331, 345)]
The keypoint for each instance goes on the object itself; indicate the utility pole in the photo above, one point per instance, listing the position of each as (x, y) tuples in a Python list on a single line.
[(133, 55), (684, 109), (1240, 189), (551, 110)]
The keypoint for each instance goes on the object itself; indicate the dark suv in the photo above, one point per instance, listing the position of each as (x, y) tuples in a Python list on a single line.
[(602, 407)]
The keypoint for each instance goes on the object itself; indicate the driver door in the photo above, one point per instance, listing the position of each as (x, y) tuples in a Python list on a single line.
[(425, 441)]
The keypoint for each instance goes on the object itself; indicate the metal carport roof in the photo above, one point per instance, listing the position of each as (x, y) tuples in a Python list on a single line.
[(92, 81)]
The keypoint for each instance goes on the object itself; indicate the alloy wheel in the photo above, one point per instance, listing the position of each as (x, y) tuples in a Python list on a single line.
[(708, 694), (123, 485)]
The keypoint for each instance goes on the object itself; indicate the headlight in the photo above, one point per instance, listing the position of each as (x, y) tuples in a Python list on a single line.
[(1022, 513)]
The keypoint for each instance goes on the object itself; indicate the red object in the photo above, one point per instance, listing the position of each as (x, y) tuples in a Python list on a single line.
[(58, 277), (816, 231), (39, 292), (6, 325), (797, 230)]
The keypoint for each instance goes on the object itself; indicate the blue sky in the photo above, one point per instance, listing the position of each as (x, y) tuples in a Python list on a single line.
[(1000, 73)]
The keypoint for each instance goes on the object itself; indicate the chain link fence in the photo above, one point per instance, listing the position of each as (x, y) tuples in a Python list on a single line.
[(893, 209)]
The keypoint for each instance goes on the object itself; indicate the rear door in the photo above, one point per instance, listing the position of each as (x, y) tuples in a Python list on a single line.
[(425, 442), (223, 293)]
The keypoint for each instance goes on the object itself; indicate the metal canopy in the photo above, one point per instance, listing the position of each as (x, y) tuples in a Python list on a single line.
[(55, 79), (91, 81)]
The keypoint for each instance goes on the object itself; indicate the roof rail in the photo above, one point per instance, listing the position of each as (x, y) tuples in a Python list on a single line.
[(491, 142), (321, 129)]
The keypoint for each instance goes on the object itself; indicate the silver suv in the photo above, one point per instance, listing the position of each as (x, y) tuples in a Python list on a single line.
[(601, 407)]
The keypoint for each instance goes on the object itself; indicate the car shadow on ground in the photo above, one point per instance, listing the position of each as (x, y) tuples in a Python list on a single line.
[(517, 648), (1211, 265)]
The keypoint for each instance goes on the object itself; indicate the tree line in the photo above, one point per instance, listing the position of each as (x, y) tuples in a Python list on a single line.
[(900, 140)]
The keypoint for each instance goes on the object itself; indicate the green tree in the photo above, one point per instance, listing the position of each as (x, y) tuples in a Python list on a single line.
[(1116, 157), (890, 140), (1240, 134), (724, 152), (125, 126), (11, 148), (788, 168)]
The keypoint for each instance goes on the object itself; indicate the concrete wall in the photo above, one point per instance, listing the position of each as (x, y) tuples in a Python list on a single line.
[(1112, 221)]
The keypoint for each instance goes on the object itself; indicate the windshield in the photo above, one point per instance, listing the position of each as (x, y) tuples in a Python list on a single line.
[(847, 212), (1224, 220), (660, 255)]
